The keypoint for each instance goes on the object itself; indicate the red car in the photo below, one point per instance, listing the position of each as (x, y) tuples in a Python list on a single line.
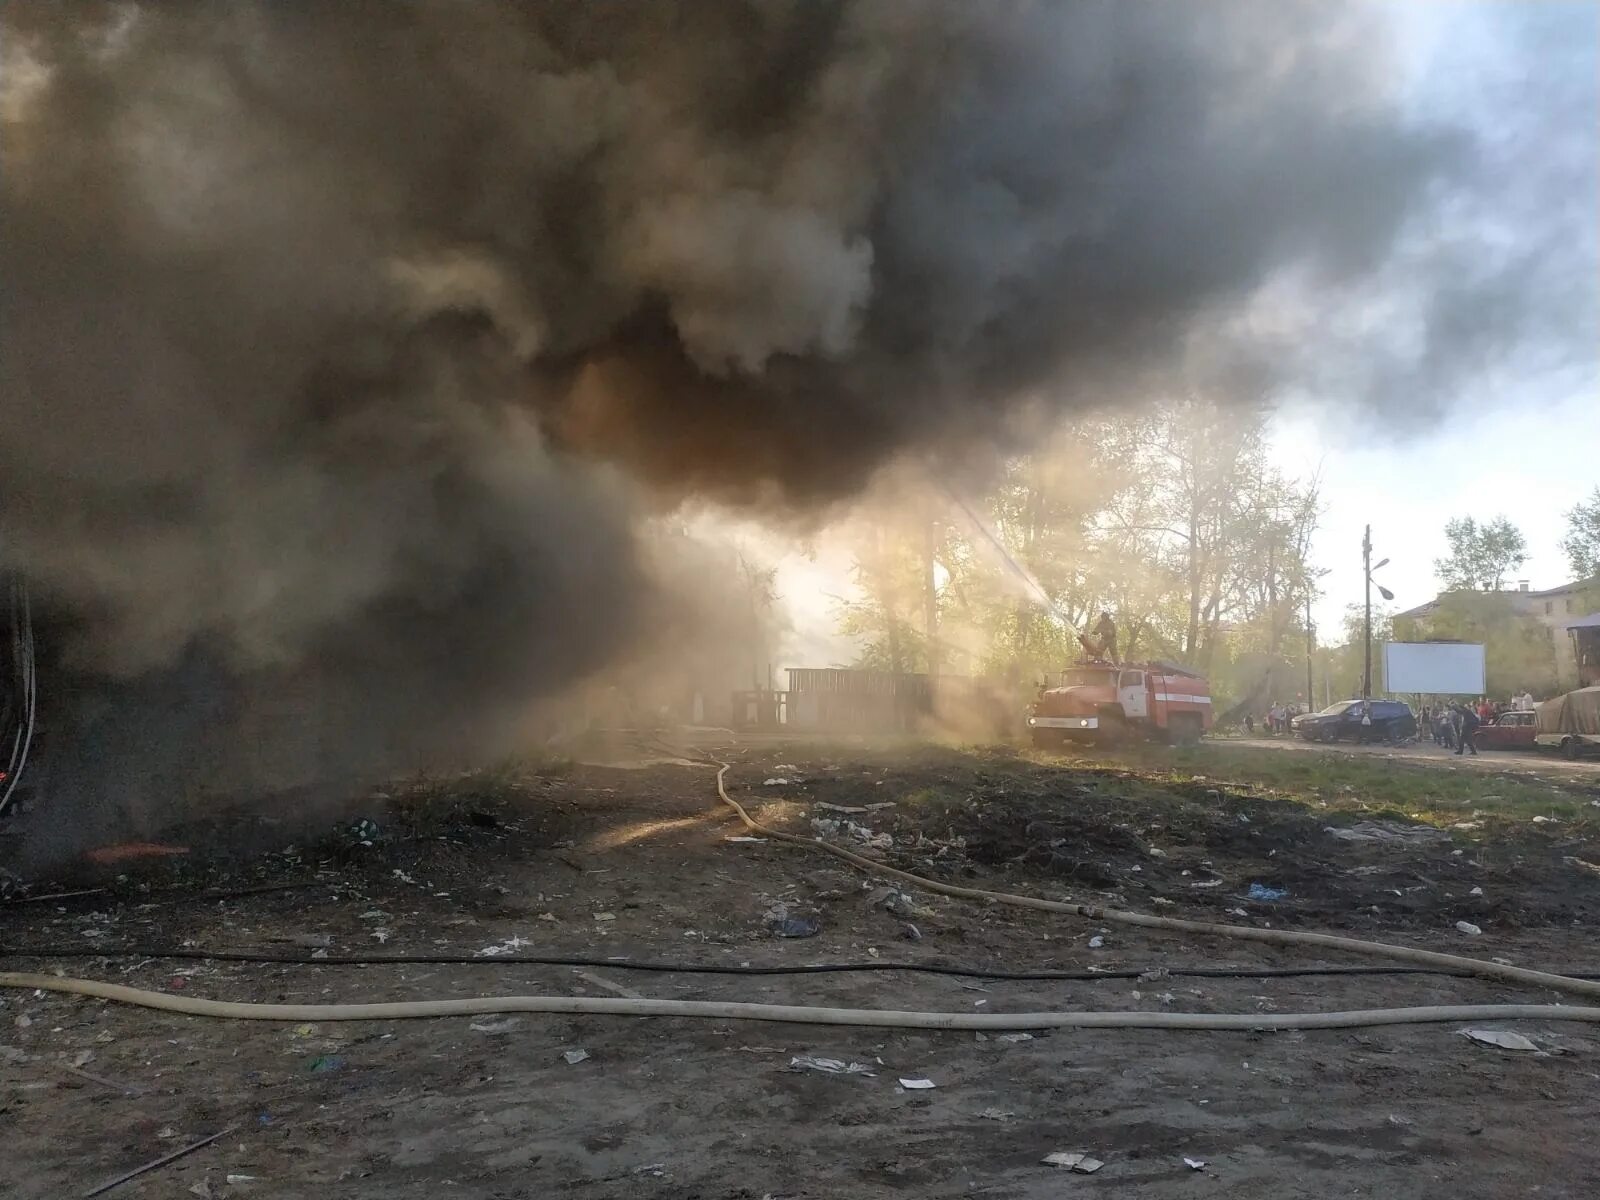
[(1512, 731)]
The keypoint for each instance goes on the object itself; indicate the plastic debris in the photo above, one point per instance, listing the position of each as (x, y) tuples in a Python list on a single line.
[(1467, 927), (1096, 942), (878, 841), (574, 1057), (505, 1026), (910, 932), (1073, 1160), (605, 916), (1260, 891), (1502, 1038), (828, 1066), (996, 1114), (790, 767), (796, 927), (327, 1062), (1014, 1037), (1195, 1164), (510, 946), (851, 810), (238, 1179), (1477, 891), (917, 1085), (744, 840), (776, 781)]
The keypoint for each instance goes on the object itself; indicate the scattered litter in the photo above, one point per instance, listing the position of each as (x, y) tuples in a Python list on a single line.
[(1545, 821), (1400, 1122), (1237, 912), (510, 946), (505, 1026), (1195, 1164), (202, 1190), (910, 932), (1207, 883), (1467, 927), (1014, 1037), (745, 840), (853, 809), (1157, 852), (1073, 1160), (786, 925), (236, 1180), (605, 916), (1260, 891), (574, 1057), (159, 1162), (382, 935), (786, 767), (878, 841), (327, 1062), (776, 781), (1477, 891), (1389, 831), (996, 1114), (1096, 942), (1583, 864), (1503, 1038), (166, 1134), (917, 1085), (828, 1066)]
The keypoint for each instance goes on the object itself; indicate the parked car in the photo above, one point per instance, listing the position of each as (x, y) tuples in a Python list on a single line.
[(1392, 720), (1510, 731)]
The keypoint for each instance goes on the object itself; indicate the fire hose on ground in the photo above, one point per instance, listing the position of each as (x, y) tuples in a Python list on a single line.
[(896, 1019)]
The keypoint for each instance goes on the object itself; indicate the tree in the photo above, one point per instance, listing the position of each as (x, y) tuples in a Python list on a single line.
[(1481, 556), (1582, 540)]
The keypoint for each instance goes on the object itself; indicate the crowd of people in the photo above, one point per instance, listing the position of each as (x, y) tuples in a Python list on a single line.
[(1452, 725), (1276, 720)]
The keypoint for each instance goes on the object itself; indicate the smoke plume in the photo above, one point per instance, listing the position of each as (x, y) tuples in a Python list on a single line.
[(345, 343)]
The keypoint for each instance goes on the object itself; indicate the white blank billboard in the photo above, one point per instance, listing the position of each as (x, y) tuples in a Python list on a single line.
[(1443, 668)]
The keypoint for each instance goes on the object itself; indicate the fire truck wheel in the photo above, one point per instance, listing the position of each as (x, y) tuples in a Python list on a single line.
[(1185, 729), (1113, 729)]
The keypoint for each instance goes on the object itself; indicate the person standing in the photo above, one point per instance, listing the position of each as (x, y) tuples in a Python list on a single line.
[(1105, 632), (1468, 726)]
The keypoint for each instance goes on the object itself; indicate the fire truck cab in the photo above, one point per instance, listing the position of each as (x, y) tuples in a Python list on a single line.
[(1108, 703)]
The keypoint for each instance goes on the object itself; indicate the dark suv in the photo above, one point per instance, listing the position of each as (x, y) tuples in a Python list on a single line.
[(1392, 721)]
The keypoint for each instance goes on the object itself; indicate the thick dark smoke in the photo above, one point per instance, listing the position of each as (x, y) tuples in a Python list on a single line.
[(344, 341)]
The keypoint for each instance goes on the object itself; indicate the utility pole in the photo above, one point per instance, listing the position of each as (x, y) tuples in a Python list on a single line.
[(1366, 638)]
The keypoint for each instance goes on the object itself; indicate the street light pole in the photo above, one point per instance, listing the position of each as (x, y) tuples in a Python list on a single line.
[(1366, 573)]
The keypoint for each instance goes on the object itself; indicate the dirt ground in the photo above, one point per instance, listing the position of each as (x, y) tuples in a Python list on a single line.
[(635, 862)]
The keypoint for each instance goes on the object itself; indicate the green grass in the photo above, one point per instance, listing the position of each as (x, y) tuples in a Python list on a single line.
[(1359, 784)]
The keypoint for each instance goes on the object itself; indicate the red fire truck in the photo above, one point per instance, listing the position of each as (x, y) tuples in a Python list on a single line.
[(1107, 703)]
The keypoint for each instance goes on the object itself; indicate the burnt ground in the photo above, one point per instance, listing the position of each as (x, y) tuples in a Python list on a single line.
[(619, 862)]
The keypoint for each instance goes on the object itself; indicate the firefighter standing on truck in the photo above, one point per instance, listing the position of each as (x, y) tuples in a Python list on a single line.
[(1105, 632)]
